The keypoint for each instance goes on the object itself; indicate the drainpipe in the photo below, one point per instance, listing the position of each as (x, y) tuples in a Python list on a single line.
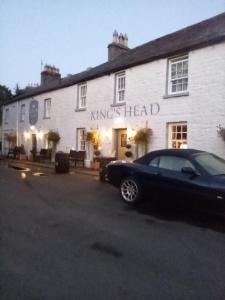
[(17, 124)]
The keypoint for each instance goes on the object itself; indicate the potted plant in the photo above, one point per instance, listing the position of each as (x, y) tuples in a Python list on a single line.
[(11, 139), (97, 153), (53, 139), (93, 139), (128, 152), (142, 137)]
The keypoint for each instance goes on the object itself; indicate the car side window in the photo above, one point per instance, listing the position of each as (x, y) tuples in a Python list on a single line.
[(174, 163), (154, 162)]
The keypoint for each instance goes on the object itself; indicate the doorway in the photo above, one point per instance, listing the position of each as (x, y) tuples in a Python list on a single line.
[(34, 142), (121, 142)]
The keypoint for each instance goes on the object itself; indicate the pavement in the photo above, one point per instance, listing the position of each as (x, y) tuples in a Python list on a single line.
[(69, 237), (47, 165)]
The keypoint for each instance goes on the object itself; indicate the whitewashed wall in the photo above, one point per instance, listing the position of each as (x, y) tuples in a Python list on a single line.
[(203, 109)]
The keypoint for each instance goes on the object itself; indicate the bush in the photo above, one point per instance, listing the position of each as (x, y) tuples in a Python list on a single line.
[(128, 154), (97, 153), (128, 146)]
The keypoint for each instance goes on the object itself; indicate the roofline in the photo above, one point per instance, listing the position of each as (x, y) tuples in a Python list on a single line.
[(182, 50)]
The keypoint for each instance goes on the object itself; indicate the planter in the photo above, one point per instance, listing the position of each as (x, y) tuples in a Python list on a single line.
[(22, 157), (95, 165)]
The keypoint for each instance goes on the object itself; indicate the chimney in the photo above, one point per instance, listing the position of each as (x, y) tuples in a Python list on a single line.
[(50, 74), (118, 46)]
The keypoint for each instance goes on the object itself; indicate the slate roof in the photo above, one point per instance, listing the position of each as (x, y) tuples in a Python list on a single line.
[(208, 32)]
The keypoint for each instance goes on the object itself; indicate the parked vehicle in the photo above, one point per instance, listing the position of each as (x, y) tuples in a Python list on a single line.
[(172, 172)]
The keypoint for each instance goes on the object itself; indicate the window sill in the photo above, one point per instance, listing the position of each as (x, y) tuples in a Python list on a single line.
[(80, 109), (118, 104), (176, 95), (46, 118)]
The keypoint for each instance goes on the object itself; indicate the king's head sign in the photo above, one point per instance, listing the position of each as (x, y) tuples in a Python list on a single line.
[(33, 112)]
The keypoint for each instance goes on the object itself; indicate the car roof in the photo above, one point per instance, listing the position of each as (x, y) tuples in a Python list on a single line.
[(179, 152)]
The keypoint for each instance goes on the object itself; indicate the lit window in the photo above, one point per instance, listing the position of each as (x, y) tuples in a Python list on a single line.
[(120, 87), (47, 108), (82, 96), (6, 115), (178, 75), (177, 135), (22, 112), (81, 139)]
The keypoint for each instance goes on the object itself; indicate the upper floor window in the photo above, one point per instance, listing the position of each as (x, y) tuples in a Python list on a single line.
[(47, 108), (22, 112), (120, 86), (6, 115), (82, 96), (178, 75)]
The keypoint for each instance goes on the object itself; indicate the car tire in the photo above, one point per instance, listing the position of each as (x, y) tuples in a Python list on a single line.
[(130, 190)]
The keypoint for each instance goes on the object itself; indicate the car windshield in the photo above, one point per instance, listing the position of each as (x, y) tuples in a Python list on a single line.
[(214, 165)]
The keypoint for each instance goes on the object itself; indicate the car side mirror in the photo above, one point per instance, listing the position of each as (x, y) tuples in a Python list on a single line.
[(190, 171)]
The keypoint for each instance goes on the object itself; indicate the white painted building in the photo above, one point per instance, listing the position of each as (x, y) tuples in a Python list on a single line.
[(175, 85)]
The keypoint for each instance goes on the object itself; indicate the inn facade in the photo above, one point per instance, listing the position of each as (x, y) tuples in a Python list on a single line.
[(174, 85)]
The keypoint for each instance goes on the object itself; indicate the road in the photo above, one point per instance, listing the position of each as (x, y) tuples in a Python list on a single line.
[(65, 237)]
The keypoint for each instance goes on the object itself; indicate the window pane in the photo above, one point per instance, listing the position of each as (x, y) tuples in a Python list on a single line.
[(154, 162), (174, 163)]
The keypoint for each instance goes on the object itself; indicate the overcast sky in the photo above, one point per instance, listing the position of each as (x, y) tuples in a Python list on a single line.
[(73, 35)]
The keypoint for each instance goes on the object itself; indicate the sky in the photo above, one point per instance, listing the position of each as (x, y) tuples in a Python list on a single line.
[(73, 35)]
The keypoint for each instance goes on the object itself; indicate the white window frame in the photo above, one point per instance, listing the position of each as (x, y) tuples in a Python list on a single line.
[(178, 77), (81, 139), (22, 112), (47, 108), (177, 139), (120, 87), (82, 96), (6, 116)]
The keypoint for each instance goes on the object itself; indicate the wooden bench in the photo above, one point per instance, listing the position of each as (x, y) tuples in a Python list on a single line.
[(77, 156), (44, 154)]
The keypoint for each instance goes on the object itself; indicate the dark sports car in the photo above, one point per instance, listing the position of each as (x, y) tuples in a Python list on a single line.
[(182, 172)]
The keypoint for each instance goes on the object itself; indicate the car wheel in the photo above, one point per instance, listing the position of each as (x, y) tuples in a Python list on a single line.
[(130, 190)]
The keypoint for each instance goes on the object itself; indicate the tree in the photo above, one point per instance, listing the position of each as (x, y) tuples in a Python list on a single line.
[(5, 95), (17, 90)]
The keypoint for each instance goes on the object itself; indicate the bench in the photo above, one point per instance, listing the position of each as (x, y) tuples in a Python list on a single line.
[(77, 156), (44, 154)]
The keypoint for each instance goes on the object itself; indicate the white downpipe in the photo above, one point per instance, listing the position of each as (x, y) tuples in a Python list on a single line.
[(17, 124)]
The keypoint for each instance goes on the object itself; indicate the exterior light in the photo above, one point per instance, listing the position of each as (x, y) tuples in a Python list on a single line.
[(32, 127), (26, 135), (40, 135)]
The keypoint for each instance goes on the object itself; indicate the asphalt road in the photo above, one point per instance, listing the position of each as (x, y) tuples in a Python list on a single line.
[(65, 237)]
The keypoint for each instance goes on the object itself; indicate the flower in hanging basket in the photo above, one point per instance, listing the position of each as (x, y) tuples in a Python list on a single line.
[(53, 136), (143, 136), (97, 153), (11, 137)]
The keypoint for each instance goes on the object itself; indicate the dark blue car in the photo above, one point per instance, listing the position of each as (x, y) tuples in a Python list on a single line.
[(173, 172)]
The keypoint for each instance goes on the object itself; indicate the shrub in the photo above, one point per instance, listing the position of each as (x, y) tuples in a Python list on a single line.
[(97, 153), (128, 154)]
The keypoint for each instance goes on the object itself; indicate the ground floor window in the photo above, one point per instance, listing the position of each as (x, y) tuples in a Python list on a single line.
[(81, 139), (177, 135)]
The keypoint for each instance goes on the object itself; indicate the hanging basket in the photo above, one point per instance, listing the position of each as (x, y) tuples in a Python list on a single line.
[(53, 136), (143, 136)]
